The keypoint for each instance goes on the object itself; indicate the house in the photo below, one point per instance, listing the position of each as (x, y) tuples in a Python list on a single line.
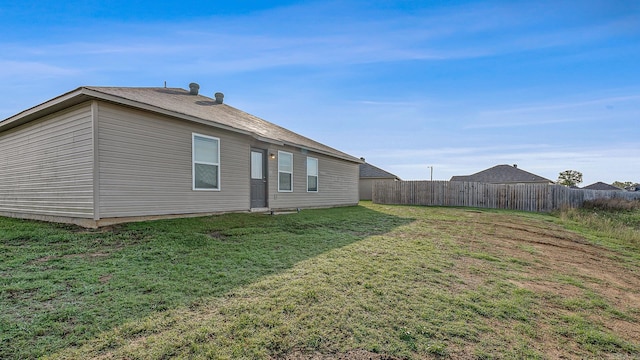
[(634, 187), (102, 155), (370, 174), (601, 186), (504, 174)]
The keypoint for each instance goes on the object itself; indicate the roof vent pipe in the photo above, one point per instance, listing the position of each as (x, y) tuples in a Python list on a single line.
[(193, 88), (219, 97)]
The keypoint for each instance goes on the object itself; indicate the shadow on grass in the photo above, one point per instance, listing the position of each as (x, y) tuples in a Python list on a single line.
[(61, 285)]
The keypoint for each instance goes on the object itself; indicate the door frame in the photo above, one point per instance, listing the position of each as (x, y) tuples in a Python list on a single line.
[(265, 176)]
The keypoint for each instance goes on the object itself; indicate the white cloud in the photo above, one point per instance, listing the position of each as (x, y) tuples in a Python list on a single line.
[(33, 69), (611, 108), (562, 105)]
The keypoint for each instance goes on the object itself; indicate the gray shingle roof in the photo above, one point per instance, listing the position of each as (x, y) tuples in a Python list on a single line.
[(373, 172), (601, 186), (503, 174), (179, 103), (634, 187)]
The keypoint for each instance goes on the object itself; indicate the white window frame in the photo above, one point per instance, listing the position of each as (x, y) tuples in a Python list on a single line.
[(280, 153), (194, 162), (316, 174)]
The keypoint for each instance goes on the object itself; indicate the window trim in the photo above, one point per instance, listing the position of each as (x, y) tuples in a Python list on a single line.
[(317, 174), (193, 162), (285, 172)]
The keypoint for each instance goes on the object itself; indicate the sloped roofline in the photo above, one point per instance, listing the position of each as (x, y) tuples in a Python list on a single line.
[(84, 93), (497, 172), (602, 186), (374, 172)]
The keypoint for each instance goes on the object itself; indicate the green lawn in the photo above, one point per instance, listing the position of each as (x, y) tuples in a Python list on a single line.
[(408, 282)]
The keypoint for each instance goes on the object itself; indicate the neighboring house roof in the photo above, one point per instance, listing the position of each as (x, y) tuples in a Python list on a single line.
[(601, 186), (634, 187), (178, 103), (503, 174), (372, 172)]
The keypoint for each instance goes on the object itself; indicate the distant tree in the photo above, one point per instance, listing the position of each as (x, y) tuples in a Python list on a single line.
[(570, 178), (622, 184)]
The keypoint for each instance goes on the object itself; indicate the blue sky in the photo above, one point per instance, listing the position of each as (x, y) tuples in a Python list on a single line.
[(457, 85)]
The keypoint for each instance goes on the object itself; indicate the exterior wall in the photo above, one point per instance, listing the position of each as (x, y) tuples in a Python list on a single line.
[(140, 166), (98, 163), (366, 186), (46, 167), (145, 166), (337, 182)]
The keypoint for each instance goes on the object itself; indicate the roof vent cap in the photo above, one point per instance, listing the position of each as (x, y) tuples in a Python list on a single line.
[(193, 88), (219, 97)]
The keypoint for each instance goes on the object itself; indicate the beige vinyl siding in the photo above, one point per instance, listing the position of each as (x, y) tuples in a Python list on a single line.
[(337, 182), (145, 166), (46, 166)]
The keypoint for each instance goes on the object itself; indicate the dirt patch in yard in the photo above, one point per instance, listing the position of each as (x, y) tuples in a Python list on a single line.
[(565, 253), (563, 265)]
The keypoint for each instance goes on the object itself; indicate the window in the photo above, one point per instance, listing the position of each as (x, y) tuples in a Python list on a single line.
[(206, 162), (312, 174), (285, 171), (256, 165)]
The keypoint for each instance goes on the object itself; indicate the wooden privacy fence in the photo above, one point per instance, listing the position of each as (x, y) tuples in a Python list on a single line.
[(525, 197)]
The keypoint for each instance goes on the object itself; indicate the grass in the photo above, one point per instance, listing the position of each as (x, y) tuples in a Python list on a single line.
[(409, 282), (614, 228), (62, 286)]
